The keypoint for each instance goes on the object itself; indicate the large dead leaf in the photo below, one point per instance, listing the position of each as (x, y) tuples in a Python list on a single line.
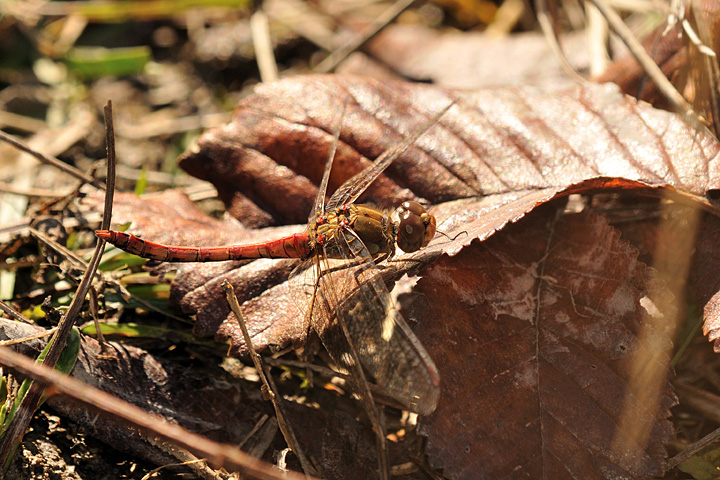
[(539, 329), (495, 141), (512, 148)]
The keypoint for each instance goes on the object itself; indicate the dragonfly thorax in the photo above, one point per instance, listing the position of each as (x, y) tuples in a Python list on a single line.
[(373, 227)]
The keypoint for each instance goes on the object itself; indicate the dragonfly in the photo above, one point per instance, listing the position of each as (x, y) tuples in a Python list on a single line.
[(350, 306)]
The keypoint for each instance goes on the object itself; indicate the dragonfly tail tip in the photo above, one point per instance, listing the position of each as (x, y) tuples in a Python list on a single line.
[(104, 234)]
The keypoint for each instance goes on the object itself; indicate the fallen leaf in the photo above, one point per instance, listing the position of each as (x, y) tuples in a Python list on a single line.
[(536, 333), (493, 141)]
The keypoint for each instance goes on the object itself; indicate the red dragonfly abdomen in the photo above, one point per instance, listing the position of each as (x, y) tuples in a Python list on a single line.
[(293, 246)]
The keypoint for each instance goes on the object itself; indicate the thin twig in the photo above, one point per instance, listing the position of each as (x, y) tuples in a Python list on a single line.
[(126, 294), (71, 256), (256, 428), (59, 164), (254, 356), (94, 307), (11, 311), (692, 449), (301, 18), (339, 55), (324, 371), (506, 18), (22, 226), (21, 122), (597, 36), (20, 421), (269, 389), (111, 167), (219, 454), (157, 127)]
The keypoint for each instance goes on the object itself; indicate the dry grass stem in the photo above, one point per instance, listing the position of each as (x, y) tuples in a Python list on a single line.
[(551, 36), (263, 46)]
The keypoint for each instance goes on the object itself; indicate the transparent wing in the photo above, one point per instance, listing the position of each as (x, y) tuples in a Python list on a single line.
[(353, 188), (319, 207), (352, 291), (302, 283)]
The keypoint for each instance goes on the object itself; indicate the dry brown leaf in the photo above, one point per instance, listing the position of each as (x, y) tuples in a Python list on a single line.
[(511, 148), (536, 333)]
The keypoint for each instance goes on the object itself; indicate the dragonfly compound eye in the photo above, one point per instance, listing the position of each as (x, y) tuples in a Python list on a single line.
[(417, 227)]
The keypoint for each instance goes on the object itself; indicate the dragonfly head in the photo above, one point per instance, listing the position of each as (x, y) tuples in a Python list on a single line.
[(416, 228)]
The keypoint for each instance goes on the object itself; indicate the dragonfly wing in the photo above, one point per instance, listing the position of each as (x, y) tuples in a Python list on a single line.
[(353, 291), (302, 283), (353, 188), (319, 208)]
